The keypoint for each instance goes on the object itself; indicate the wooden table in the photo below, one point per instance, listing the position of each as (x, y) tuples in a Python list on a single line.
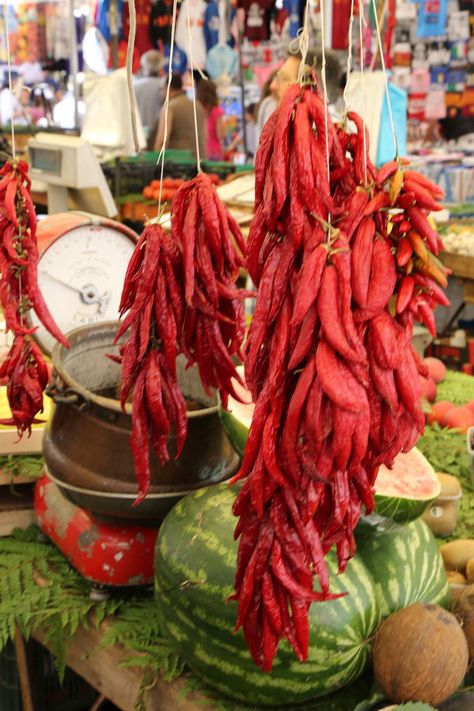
[(462, 267), (100, 667)]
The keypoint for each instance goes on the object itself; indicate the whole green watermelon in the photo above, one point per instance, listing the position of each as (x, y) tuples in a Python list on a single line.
[(195, 564), (404, 562)]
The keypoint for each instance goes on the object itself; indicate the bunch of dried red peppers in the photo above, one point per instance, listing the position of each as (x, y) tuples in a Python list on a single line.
[(24, 367), (344, 260), (180, 295)]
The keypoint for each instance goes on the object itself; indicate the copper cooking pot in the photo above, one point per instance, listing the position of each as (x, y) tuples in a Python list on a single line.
[(86, 444)]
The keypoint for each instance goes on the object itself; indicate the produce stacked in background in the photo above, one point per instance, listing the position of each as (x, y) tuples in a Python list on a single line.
[(24, 368), (329, 360), (179, 296)]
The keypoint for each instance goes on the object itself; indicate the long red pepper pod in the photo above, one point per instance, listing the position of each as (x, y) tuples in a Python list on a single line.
[(19, 292), (153, 306), (212, 248), (330, 406)]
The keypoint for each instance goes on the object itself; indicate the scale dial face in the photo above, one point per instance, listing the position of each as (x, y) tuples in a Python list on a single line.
[(80, 275)]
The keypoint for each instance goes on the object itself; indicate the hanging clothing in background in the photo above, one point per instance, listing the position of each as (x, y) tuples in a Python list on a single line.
[(161, 21), (103, 19), (57, 31), (257, 18), (222, 61), (211, 24), (295, 10), (142, 39), (432, 18), (42, 54), (341, 13), (197, 10), (227, 13), (180, 60)]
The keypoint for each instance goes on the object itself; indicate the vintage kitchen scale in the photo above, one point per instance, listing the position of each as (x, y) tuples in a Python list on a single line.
[(84, 502)]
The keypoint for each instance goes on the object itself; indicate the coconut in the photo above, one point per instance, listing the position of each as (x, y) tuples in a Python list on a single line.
[(464, 610), (420, 654)]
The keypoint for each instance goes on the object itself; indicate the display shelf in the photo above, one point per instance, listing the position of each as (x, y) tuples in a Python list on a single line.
[(102, 668), (462, 265)]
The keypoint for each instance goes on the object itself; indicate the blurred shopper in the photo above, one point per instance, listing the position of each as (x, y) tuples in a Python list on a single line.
[(265, 107), (181, 134), (149, 88), (288, 74), (207, 97)]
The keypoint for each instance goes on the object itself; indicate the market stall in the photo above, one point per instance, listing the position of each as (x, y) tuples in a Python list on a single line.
[(232, 476)]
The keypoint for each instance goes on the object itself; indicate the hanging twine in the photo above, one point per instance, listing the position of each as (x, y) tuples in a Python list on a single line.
[(345, 95), (302, 44), (325, 89), (387, 92), (162, 153), (362, 80), (9, 68), (190, 47), (129, 66)]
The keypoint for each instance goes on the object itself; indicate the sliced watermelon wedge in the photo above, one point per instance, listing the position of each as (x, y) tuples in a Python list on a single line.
[(401, 493), (405, 491)]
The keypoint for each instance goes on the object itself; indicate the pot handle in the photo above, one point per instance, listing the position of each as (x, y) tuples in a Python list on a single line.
[(67, 396)]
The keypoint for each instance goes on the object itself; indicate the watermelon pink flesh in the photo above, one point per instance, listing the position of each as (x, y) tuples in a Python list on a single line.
[(411, 476)]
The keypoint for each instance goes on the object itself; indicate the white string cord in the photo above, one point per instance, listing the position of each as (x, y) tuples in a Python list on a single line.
[(325, 89), (362, 81), (303, 44), (196, 132), (129, 64), (349, 60), (161, 154), (387, 92), (9, 66)]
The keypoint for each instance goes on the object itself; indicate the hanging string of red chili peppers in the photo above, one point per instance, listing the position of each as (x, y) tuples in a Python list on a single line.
[(24, 366), (179, 296), (343, 268)]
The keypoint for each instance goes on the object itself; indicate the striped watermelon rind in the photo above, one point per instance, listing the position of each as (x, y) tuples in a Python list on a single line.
[(404, 562), (237, 431), (195, 565)]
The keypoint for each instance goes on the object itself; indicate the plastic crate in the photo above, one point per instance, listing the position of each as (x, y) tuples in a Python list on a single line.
[(74, 694)]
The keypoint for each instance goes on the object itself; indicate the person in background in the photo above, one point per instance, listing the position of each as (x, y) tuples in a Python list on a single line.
[(288, 74), (457, 129), (250, 130), (265, 107), (181, 134), (207, 96), (149, 88)]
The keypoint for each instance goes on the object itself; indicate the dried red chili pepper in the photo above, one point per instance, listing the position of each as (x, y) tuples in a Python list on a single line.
[(19, 292), (329, 365)]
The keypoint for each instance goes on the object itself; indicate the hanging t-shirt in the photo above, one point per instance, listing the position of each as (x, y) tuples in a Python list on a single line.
[(180, 61), (294, 9), (222, 60), (161, 20), (197, 10), (257, 18), (102, 18), (142, 38), (211, 24)]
